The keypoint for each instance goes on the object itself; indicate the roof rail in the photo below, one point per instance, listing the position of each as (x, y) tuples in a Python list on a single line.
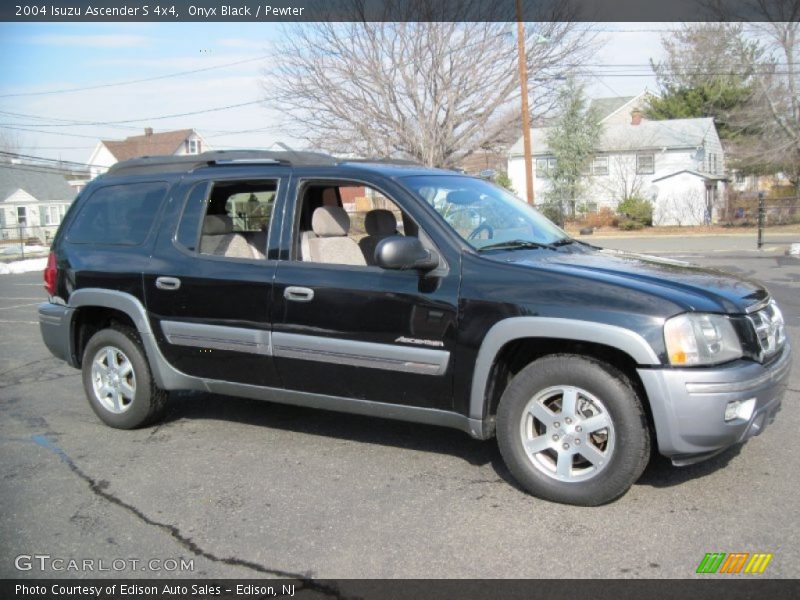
[(189, 162)]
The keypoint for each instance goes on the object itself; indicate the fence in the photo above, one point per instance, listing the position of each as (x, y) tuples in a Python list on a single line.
[(23, 241), (755, 209)]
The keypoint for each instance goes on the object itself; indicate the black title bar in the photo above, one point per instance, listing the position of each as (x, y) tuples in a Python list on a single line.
[(394, 10)]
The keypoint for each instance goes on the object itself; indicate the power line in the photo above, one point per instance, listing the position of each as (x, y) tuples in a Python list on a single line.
[(133, 81), (156, 118)]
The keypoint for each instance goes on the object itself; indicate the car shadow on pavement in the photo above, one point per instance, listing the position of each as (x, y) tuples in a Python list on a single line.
[(356, 428), (661, 473)]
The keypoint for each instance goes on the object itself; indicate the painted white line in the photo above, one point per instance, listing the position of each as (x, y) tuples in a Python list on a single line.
[(18, 306), (43, 299), (23, 322)]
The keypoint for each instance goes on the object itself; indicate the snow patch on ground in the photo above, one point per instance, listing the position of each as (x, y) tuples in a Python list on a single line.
[(794, 250), (23, 266), (12, 249)]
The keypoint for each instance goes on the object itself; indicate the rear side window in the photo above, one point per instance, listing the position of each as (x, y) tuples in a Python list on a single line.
[(118, 214)]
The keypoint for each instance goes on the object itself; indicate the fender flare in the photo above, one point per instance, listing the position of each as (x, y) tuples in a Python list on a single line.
[(515, 328), (166, 376)]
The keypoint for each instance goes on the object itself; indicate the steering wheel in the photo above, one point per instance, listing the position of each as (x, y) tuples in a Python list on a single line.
[(484, 226)]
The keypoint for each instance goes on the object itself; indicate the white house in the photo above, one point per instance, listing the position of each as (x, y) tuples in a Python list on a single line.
[(171, 143), (32, 201), (678, 164)]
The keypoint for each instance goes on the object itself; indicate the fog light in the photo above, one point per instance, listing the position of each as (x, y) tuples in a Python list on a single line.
[(740, 409)]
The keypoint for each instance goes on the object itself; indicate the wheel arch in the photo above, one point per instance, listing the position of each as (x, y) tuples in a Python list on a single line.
[(112, 305), (540, 336)]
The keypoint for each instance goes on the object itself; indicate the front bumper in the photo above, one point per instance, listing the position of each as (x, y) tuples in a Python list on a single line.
[(688, 405)]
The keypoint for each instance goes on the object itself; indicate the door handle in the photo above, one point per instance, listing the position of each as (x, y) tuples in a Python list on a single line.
[(298, 294), (168, 283)]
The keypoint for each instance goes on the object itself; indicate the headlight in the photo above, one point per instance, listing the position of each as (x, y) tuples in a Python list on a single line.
[(698, 339)]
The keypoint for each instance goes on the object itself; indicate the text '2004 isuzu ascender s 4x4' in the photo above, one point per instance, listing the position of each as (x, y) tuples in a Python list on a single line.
[(410, 293)]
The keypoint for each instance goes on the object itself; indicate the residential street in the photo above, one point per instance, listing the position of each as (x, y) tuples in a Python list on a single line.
[(251, 489)]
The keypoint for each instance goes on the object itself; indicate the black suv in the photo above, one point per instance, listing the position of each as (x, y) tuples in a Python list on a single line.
[(409, 293)]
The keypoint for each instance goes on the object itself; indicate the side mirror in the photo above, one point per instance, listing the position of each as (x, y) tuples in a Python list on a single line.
[(404, 253)]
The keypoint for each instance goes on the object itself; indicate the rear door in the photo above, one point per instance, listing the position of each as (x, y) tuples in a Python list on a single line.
[(209, 288)]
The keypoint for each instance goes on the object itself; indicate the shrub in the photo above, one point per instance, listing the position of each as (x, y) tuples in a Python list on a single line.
[(637, 209), (553, 211), (604, 217), (631, 225)]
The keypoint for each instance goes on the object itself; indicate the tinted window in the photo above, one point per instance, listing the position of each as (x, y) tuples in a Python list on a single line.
[(118, 214)]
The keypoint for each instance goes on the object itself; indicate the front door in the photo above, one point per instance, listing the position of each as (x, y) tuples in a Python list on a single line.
[(344, 327)]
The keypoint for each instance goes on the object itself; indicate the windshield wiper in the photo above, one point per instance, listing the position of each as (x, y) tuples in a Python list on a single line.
[(515, 245), (563, 242)]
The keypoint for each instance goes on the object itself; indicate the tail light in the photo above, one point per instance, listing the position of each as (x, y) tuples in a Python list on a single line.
[(50, 275)]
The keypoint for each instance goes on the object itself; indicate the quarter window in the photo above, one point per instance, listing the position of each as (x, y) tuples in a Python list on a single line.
[(120, 215)]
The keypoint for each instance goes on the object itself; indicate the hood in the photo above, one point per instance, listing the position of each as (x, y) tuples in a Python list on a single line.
[(692, 287)]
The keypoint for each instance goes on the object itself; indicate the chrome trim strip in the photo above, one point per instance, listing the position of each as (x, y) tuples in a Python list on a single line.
[(758, 305), (422, 361), (217, 337)]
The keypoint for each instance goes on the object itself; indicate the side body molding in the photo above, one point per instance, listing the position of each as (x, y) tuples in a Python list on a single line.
[(516, 328)]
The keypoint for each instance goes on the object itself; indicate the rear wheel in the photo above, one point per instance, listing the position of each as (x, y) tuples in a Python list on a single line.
[(572, 429), (117, 380)]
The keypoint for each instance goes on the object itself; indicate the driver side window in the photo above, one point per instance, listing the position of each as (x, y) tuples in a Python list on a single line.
[(343, 223)]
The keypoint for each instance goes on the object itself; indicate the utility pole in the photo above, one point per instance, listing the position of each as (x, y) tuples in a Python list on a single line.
[(526, 125)]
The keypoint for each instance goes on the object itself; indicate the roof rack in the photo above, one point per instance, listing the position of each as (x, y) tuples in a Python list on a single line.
[(385, 161), (189, 162)]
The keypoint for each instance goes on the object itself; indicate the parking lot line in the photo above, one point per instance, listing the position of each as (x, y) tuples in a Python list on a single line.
[(19, 306), (21, 322)]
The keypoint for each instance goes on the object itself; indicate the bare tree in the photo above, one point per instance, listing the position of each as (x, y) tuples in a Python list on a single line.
[(430, 91), (773, 110)]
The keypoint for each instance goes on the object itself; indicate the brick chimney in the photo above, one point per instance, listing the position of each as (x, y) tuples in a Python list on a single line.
[(148, 131), (636, 116)]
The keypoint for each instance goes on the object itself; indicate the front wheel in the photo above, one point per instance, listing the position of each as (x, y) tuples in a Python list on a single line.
[(572, 429), (117, 380)]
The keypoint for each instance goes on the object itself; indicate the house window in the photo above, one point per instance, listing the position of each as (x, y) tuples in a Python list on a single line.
[(52, 214), (192, 146), (645, 164), (22, 217), (600, 165), (545, 166), (740, 177)]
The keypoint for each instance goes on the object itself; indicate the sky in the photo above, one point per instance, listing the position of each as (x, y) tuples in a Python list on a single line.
[(57, 57)]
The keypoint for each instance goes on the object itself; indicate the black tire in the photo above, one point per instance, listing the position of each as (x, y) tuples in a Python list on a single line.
[(147, 402), (627, 442)]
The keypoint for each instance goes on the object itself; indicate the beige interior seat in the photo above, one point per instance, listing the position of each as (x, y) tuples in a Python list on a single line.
[(219, 239), (331, 244), (379, 223)]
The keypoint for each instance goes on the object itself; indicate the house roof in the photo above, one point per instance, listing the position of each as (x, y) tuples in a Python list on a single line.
[(670, 134), (39, 184), (153, 144), (605, 107)]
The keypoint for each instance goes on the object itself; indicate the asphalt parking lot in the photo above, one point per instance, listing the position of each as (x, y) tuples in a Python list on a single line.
[(250, 489)]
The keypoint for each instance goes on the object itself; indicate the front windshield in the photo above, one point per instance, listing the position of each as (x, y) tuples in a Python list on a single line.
[(484, 214)]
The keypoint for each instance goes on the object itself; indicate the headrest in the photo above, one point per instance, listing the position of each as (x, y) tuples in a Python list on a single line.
[(380, 222), (463, 197), (330, 221), (217, 225)]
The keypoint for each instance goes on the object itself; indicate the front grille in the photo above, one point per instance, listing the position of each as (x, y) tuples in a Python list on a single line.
[(770, 329)]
